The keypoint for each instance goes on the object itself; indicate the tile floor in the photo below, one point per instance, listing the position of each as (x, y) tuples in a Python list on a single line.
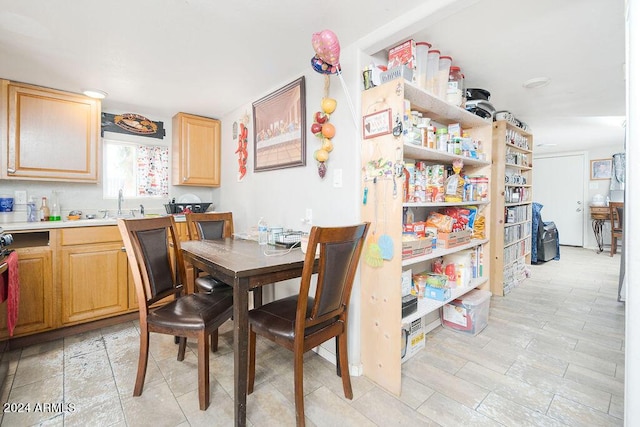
[(552, 354)]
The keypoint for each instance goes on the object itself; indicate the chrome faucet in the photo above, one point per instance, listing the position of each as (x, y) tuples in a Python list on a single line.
[(120, 200)]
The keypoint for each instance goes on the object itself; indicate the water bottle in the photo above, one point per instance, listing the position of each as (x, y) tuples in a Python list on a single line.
[(262, 232), (31, 211)]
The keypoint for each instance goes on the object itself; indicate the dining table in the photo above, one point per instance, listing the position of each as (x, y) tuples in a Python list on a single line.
[(246, 266)]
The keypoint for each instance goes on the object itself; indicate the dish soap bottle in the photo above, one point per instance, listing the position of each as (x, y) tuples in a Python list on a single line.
[(262, 232)]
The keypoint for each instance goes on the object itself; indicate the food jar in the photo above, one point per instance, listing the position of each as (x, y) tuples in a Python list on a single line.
[(444, 65), (455, 88), (442, 139)]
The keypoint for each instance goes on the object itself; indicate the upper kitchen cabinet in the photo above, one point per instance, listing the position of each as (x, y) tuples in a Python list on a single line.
[(48, 134), (196, 151)]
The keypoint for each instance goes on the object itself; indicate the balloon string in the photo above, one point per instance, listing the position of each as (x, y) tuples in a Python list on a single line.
[(344, 87), (327, 82)]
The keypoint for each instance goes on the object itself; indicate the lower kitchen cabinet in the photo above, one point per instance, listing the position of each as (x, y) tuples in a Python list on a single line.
[(36, 306), (94, 281), (93, 274)]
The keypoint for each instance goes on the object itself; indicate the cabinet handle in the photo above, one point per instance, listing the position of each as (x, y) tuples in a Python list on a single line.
[(123, 249), (184, 179), (11, 170)]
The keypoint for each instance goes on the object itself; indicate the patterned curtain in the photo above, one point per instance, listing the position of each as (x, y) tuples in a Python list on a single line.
[(153, 171)]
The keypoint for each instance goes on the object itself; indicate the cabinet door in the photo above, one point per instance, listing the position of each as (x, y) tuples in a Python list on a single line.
[(35, 310), (94, 282), (53, 135), (196, 151)]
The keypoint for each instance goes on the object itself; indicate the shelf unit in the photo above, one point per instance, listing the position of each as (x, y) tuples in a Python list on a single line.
[(381, 287), (512, 155)]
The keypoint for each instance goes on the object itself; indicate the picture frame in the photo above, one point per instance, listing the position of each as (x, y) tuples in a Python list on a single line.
[(279, 128), (601, 169), (376, 124)]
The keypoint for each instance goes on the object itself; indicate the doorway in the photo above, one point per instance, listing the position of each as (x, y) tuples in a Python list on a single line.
[(559, 185)]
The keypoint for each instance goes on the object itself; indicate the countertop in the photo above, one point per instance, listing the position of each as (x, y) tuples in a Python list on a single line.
[(48, 225)]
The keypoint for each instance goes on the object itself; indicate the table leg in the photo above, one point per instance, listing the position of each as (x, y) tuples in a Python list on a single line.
[(597, 231), (240, 351)]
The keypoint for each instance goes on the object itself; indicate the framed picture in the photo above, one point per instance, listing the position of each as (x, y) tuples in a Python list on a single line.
[(601, 168), (376, 124), (279, 128)]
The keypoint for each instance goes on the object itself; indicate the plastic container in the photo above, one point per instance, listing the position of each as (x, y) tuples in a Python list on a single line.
[(444, 66), (422, 58), (455, 88), (263, 232), (431, 83), (442, 139), (469, 314), (6, 204)]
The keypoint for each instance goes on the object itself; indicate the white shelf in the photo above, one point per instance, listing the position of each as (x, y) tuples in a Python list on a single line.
[(442, 252), (439, 110), (506, 245), (441, 204), (518, 204), (427, 305), (522, 167), (509, 224), (417, 152), (518, 185)]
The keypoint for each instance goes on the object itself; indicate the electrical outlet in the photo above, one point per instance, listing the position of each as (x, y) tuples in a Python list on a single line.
[(20, 197)]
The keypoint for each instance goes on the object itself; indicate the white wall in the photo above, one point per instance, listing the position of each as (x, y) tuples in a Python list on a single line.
[(283, 196), (632, 230)]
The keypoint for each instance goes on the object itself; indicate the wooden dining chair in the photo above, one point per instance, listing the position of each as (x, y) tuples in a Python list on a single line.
[(209, 226), (157, 266), (302, 322), (616, 215)]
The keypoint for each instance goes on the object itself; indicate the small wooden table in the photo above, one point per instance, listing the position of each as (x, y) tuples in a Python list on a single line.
[(599, 214), (244, 265)]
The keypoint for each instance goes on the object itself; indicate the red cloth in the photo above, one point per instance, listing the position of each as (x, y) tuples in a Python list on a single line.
[(10, 290)]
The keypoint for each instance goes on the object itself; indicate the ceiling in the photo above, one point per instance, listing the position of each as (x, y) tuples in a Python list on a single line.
[(209, 58)]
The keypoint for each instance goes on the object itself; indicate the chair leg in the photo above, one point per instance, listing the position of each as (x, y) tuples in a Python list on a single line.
[(203, 370), (251, 371), (214, 341), (344, 366), (338, 372), (614, 244), (143, 358), (298, 371), (181, 348)]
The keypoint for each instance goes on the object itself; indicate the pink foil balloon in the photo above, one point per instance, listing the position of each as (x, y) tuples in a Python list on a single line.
[(327, 46)]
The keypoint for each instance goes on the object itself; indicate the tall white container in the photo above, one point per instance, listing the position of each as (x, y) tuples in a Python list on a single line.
[(433, 59), (422, 56)]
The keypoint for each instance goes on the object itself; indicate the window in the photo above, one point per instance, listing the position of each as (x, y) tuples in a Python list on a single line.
[(139, 170)]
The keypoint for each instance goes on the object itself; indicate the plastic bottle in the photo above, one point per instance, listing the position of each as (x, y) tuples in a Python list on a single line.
[(55, 212), (32, 213), (263, 236), (44, 210)]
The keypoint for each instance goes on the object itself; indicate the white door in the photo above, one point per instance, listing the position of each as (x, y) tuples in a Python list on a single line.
[(558, 185)]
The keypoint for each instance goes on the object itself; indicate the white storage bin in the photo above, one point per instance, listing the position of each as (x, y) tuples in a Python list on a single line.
[(469, 314)]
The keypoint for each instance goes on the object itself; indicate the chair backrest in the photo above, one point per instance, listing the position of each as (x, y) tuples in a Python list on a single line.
[(209, 226), (155, 257), (616, 213), (340, 249)]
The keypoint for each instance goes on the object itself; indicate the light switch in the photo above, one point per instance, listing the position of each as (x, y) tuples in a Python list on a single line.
[(337, 178)]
